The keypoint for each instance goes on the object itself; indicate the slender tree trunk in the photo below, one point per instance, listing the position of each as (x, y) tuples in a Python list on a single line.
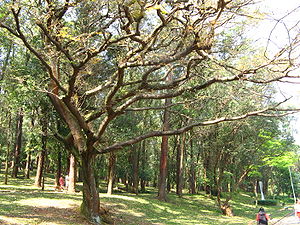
[(163, 170), (206, 164), (8, 149), (156, 175), (192, 180), (6, 162), (143, 166), (28, 162), (162, 195), (192, 172), (79, 174), (58, 169), (72, 175), (28, 159), (255, 188), (265, 186), (179, 174), (90, 207), (40, 168), (135, 170), (42, 155), (111, 172), (18, 144)]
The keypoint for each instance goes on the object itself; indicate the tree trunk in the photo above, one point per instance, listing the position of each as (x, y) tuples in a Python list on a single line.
[(224, 206), (41, 159), (79, 174), (163, 170), (255, 188), (58, 169), (155, 177), (111, 172), (143, 166), (90, 207), (265, 186), (192, 172), (27, 168), (179, 164), (162, 195), (18, 144), (226, 209), (71, 183), (6, 162), (8, 149), (135, 170)]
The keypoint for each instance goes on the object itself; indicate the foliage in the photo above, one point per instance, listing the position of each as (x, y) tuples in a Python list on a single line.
[(267, 202)]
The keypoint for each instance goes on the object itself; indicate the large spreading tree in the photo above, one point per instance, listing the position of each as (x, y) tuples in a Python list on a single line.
[(103, 59)]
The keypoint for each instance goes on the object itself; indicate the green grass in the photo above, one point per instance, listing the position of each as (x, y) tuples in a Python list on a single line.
[(22, 203)]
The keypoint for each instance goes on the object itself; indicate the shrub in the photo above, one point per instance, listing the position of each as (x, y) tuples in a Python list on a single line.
[(267, 202)]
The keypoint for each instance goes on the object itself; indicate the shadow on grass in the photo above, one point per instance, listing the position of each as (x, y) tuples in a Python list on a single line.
[(21, 214), (145, 209)]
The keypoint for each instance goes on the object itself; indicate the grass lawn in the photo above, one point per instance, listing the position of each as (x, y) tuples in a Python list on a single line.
[(22, 203)]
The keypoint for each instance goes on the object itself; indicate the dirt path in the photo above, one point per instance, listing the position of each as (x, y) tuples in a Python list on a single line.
[(287, 220)]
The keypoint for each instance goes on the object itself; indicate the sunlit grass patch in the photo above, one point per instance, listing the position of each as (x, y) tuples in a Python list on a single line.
[(46, 202), (125, 197)]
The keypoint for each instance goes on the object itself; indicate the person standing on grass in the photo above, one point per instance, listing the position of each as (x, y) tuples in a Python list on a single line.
[(297, 209), (61, 182), (262, 217)]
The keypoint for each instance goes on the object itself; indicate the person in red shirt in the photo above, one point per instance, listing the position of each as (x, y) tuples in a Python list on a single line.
[(262, 217), (297, 209), (61, 182)]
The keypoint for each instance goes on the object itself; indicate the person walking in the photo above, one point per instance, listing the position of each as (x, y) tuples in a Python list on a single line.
[(297, 209), (262, 217), (67, 181)]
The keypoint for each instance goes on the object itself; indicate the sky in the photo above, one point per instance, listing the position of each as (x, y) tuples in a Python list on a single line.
[(278, 9)]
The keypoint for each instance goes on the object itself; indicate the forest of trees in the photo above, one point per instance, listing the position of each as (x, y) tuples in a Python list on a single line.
[(168, 94)]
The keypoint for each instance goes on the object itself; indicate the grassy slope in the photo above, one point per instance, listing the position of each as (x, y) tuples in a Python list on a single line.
[(22, 203)]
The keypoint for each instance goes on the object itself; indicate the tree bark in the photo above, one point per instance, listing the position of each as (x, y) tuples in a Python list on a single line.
[(18, 144), (41, 158), (8, 149), (58, 169), (163, 170), (71, 185), (192, 172), (111, 172), (180, 159), (143, 166), (28, 162), (162, 195), (90, 206), (135, 170)]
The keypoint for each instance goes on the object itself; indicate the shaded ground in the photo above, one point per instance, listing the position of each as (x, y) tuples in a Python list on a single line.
[(48, 215), (40, 211)]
